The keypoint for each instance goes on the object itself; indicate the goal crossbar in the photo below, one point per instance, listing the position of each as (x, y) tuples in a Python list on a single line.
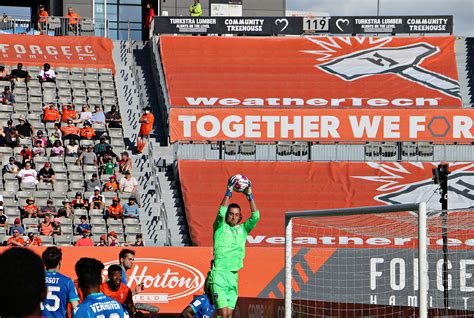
[(419, 208)]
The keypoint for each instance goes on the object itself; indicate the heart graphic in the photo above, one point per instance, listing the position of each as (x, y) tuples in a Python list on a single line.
[(280, 21), (343, 22)]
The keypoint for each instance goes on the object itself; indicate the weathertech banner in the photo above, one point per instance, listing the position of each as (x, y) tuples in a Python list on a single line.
[(67, 51), (202, 124), (311, 72), (280, 187)]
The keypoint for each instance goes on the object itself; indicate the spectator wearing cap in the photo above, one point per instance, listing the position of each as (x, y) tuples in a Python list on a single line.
[(43, 18), (47, 74), (130, 210), (12, 166), (84, 225), (125, 162), (41, 138), (70, 131), (38, 149), (108, 153), (87, 132), (87, 158), (98, 116), (4, 75), (72, 149), (85, 114), (49, 208), (57, 150), (108, 167), (79, 202), (101, 147), (25, 129), (85, 240), (47, 174), (9, 126), (33, 240), (28, 174), (115, 210), (3, 219), (111, 185), (26, 153), (96, 200), (30, 210), (113, 118), (19, 74), (7, 97), (129, 185), (16, 239), (138, 240), (51, 113), (113, 239), (68, 112), (66, 210), (12, 138), (102, 240), (17, 226), (93, 183)]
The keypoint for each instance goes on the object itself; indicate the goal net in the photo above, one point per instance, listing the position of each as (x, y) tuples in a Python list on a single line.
[(384, 261)]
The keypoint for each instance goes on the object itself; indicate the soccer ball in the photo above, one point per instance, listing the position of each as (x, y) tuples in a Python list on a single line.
[(242, 183)]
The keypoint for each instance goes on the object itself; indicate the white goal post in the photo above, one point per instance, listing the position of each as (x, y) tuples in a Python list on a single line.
[(325, 220)]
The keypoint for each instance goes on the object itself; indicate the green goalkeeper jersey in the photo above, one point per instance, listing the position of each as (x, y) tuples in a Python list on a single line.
[(229, 242)]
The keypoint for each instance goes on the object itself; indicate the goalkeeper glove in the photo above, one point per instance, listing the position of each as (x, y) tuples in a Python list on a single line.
[(248, 193), (230, 186)]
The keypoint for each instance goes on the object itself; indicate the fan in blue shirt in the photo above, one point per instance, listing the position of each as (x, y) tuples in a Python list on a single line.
[(95, 304), (61, 289)]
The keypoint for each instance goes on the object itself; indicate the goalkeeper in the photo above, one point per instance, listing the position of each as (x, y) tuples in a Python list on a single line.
[(229, 250)]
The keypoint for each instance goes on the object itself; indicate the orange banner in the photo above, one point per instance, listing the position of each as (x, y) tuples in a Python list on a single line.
[(172, 275), (67, 51), (280, 187), (311, 71), (321, 124)]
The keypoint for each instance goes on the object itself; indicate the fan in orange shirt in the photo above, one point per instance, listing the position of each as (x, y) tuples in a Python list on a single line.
[(68, 112), (50, 113), (117, 290), (147, 120), (87, 132)]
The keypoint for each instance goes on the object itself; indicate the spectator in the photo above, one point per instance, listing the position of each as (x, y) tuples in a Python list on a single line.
[(51, 113), (33, 240), (195, 10), (66, 210), (85, 115), (47, 174), (111, 185), (115, 211), (26, 154), (9, 126), (57, 150), (87, 132), (87, 158), (102, 240), (84, 225), (73, 20), (30, 210), (70, 131), (48, 209), (113, 239), (138, 240), (12, 138), (85, 240), (47, 74), (4, 76), (3, 137), (47, 227), (130, 210), (68, 113), (16, 239), (40, 137), (25, 129), (72, 149), (98, 117), (38, 149), (149, 22), (17, 226), (3, 219), (101, 147), (129, 184), (108, 153), (96, 201), (113, 118), (79, 202), (108, 167), (43, 18), (27, 174), (19, 75), (7, 97), (147, 120), (125, 162), (93, 183)]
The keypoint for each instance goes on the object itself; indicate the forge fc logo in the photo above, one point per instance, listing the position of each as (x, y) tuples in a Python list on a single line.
[(403, 61)]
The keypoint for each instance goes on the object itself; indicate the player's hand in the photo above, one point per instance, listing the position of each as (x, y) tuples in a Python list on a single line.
[(248, 191), (139, 288), (231, 183)]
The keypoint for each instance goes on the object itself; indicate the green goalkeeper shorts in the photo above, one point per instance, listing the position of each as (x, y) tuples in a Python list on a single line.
[(224, 288)]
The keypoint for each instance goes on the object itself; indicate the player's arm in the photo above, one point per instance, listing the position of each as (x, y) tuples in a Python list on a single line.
[(253, 219), (129, 303), (72, 295), (225, 202), (188, 313)]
